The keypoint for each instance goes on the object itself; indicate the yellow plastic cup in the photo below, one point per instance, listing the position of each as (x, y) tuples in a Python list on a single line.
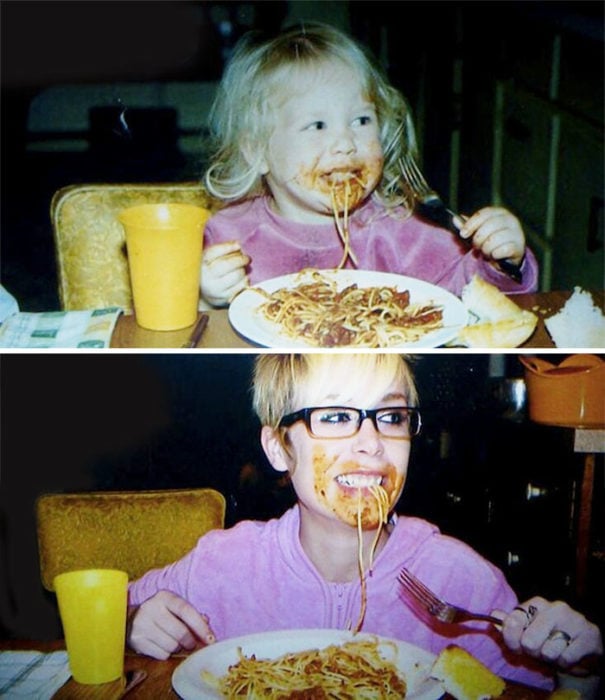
[(92, 605), (164, 243)]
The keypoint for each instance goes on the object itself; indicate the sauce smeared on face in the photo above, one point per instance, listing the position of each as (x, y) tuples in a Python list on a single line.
[(348, 185), (343, 500)]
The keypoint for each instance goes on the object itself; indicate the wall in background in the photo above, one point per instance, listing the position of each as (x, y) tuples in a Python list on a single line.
[(479, 470), (507, 99), (108, 92)]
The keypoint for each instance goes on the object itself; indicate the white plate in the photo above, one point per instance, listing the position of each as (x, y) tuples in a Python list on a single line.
[(412, 662), (247, 320)]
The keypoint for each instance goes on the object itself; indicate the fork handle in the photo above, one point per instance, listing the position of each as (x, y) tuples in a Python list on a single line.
[(512, 270), (461, 616), (435, 210)]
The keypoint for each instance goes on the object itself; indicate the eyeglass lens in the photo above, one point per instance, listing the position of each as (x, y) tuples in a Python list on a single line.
[(395, 422)]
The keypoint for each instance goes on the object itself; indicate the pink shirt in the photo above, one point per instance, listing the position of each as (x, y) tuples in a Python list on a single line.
[(381, 240), (256, 577)]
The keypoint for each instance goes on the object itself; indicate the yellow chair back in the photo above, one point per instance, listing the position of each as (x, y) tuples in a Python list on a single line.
[(90, 246), (129, 530)]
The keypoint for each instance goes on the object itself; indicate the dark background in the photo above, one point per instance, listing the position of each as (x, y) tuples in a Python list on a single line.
[(143, 421), (72, 422), (449, 58)]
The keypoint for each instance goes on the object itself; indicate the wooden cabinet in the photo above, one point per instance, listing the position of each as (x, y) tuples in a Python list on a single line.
[(508, 103), (548, 154)]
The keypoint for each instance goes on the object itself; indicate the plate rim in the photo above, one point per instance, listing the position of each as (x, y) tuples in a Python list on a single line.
[(184, 688), (262, 337)]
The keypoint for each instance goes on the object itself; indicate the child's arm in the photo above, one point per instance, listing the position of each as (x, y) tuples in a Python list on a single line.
[(496, 233), (164, 624), (223, 272)]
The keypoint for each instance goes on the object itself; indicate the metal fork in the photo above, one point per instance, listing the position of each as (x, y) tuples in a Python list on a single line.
[(419, 187), (428, 200), (444, 612), (432, 207)]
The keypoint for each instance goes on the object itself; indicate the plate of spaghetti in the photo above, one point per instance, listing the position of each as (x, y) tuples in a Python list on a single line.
[(286, 663), (347, 308)]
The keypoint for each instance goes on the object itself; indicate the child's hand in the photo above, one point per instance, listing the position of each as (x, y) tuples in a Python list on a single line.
[(165, 624), (496, 233), (223, 272)]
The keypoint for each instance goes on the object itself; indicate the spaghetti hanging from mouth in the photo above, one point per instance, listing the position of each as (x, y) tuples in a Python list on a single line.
[(382, 501), (342, 225), (346, 188)]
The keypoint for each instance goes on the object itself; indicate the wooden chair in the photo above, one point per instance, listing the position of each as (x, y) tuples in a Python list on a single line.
[(129, 530), (90, 248)]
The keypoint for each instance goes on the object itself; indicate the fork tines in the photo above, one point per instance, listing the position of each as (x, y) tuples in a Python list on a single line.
[(420, 592), (414, 177)]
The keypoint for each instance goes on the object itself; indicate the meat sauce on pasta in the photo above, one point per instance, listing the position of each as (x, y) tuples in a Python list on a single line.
[(348, 671), (324, 316)]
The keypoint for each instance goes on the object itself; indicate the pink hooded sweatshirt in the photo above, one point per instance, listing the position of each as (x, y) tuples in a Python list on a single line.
[(255, 577), (382, 240)]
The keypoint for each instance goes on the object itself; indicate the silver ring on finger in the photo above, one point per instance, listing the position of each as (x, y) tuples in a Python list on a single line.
[(556, 635), (530, 613)]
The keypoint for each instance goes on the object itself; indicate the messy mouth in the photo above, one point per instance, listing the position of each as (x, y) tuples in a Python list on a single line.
[(336, 177), (359, 481)]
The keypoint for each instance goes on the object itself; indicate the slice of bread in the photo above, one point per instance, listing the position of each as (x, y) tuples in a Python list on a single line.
[(500, 322), (464, 677)]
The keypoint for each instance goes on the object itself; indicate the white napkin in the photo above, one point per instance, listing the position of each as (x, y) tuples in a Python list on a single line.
[(32, 674), (579, 324), (60, 329)]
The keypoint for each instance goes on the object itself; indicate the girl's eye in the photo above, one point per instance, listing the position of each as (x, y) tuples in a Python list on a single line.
[(362, 121), (316, 126)]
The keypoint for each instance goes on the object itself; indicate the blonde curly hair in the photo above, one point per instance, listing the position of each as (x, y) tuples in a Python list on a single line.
[(241, 118)]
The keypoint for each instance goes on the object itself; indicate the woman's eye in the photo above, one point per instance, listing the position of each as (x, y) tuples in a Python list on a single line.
[(393, 417), (336, 417)]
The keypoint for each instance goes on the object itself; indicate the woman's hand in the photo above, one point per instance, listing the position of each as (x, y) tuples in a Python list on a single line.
[(496, 233), (165, 624), (223, 272), (553, 632)]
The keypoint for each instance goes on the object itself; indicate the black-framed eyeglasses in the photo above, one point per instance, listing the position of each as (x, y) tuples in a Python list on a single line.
[(399, 422)]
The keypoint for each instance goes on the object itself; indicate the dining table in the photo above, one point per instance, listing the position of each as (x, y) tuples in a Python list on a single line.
[(156, 680), (220, 333)]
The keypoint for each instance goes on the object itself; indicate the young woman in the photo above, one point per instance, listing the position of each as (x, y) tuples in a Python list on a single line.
[(341, 426), (309, 138)]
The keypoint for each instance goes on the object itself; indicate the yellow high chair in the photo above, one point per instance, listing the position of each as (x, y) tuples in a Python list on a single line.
[(89, 240), (129, 530)]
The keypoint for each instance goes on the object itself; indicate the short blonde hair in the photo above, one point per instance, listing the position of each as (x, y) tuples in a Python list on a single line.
[(280, 380), (241, 119)]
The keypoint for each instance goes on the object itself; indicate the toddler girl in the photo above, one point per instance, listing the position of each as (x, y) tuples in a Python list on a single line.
[(309, 138)]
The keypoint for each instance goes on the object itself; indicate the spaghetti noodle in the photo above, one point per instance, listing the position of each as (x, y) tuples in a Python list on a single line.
[(382, 499), (346, 187), (324, 316), (349, 671)]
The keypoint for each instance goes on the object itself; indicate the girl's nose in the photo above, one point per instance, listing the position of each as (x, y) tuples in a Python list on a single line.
[(343, 142)]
